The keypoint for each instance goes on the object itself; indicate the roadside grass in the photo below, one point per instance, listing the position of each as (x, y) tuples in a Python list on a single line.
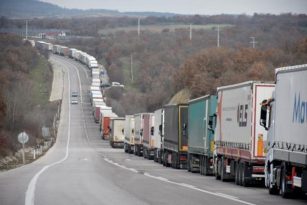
[(41, 76)]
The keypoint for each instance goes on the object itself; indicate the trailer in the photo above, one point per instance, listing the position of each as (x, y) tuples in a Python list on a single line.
[(239, 138), (285, 116), (148, 132), (129, 134), (104, 121), (158, 134), (117, 132), (175, 144), (138, 137), (201, 117)]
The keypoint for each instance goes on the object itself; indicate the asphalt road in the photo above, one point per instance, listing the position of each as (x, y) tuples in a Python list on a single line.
[(82, 169)]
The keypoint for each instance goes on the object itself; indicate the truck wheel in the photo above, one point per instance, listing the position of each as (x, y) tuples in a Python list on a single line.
[(237, 181), (240, 174), (201, 169), (285, 191), (223, 170), (189, 163), (217, 172), (206, 166), (273, 190)]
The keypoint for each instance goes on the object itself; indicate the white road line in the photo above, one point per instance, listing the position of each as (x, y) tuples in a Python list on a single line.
[(30, 193), (189, 186)]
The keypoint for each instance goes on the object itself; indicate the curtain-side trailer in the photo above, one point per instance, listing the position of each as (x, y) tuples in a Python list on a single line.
[(175, 144), (129, 134), (239, 138), (201, 117)]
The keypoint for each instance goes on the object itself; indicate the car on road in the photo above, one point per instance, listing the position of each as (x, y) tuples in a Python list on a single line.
[(74, 100), (74, 94)]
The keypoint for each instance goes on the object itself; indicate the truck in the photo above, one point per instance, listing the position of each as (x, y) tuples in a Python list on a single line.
[(129, 134), (104, 121), (239, 138), (138, 137), (158, 134), (100, 107), (175, 144), (284, 115), (201, 117), (148, 132), (117, 132)]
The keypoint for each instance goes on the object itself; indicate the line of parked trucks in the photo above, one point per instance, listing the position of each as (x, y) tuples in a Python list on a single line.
[(111, 126), (250, 132)]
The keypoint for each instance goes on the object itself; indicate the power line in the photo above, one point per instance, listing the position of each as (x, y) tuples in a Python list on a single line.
[(253, 42)]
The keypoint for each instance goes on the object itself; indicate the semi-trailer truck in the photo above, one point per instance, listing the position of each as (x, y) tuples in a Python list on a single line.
[(175, 144), (158, 135), (117, 132), (285, 117), (201, 117), (139, 132), (129, 134), (239, 138), (148, 133)]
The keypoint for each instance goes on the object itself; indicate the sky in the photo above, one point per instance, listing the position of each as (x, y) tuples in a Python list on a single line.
[(204, 7)]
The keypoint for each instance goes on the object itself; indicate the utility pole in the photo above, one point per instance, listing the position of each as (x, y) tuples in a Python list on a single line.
[(218, 36), (190, 32), (139, 26), (26, 29), (131, 67), (253, 42)]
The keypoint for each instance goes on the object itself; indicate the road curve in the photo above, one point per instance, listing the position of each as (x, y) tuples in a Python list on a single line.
[(82, 169)]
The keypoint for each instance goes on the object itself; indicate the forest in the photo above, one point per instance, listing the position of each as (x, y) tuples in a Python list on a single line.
[(25, 83), (165, 62)]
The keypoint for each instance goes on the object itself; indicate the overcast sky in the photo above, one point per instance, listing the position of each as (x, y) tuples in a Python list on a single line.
[(191, 6)]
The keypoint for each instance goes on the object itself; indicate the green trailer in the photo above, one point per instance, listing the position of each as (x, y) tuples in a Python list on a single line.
[(201, 118)]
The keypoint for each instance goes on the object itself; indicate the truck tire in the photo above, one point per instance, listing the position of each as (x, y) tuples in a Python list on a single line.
[(189, 163), (285, 191), (273, 190), (201, 165), (237, 176), (223, 170), (217, 172)]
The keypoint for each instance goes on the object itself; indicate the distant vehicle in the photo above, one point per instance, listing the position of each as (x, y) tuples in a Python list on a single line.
[(117, 84), (74, 94), (74, 100), (117, 132), (129, 134)]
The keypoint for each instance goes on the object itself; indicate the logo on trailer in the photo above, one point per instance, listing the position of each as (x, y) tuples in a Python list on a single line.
[(242, 115), (299, 110)]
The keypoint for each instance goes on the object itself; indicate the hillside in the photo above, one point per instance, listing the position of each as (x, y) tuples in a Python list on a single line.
[(25, 79), (37, 9)]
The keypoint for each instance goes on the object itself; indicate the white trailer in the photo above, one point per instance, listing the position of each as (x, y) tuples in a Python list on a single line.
[(129, 134), (158, 137), (285, 115), (117, 132), (148, 135), (239, 139), (138, 137)]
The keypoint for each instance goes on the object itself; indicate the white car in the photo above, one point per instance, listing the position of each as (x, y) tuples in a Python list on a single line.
[(74, 100)]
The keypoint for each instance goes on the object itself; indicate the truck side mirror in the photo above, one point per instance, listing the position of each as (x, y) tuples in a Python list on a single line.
[(152, 130), (132, 131), (263, 114), (123, 130)]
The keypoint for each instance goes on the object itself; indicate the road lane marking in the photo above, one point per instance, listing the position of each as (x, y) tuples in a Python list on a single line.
[(188, 186), (30, 193)]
